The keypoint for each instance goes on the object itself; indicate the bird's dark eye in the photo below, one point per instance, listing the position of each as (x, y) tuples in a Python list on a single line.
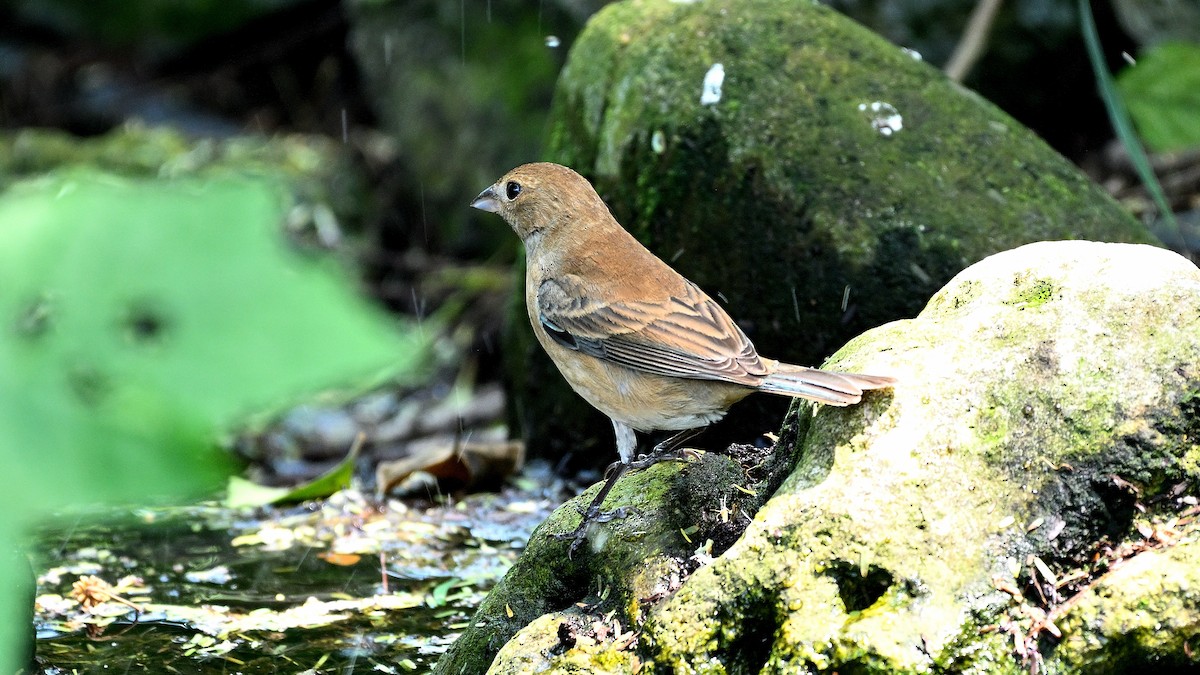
[(512, 189)]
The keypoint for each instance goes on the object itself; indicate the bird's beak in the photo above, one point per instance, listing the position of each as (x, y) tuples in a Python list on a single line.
[(486, 201)]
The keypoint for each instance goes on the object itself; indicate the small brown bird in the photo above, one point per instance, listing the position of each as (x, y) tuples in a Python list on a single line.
[(635, 338)]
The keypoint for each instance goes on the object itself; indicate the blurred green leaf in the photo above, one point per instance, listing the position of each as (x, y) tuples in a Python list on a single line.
[(147, 316), (1162, 93), (141, 318), (244, 492), (440, 594)]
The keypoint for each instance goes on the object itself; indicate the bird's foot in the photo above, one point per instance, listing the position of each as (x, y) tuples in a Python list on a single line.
[(665, 453), (591, 515), (669, 450)]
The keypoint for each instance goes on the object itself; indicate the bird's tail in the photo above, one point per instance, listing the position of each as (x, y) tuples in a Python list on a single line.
[(822, 386)]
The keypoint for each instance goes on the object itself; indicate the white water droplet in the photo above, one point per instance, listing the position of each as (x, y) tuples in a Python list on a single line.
[(658, 142), (884, 117), (713, 79)]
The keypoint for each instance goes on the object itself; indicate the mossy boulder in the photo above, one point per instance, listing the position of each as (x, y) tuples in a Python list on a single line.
[(1026, 495), (678, 515), (834, 185)]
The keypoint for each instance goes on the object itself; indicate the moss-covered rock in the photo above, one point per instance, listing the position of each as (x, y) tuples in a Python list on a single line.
[(1141, 617), (1034, 474), (834, 186), (547, 606), (1014, 70)]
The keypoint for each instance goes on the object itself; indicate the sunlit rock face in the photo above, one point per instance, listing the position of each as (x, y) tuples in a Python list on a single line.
[(1026, 494), (1025, 498), (814, 178)]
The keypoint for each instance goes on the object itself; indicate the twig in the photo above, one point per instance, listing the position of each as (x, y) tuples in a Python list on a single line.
[(974, 40)]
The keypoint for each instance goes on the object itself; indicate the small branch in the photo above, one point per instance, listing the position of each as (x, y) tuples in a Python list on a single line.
[(974, 40)]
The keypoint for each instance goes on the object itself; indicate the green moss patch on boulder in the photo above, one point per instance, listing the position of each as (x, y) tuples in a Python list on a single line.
[(680, 514)]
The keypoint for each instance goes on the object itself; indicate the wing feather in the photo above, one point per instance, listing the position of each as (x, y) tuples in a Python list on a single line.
[(683, 335)]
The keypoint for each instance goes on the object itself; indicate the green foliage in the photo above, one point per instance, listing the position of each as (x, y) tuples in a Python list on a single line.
[(1119, 116), (141, 318), (440, 595), (243, 492), (1162, 93)]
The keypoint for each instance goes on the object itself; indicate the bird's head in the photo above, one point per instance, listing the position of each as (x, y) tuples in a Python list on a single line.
[(541, 199)]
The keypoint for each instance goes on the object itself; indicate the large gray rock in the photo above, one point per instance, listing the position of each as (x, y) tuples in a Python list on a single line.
[(834, 185), (1033, 474)]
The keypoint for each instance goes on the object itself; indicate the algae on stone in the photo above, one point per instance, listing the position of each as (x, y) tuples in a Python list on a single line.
[(1034, 471), (680, 514), (1013, 435)]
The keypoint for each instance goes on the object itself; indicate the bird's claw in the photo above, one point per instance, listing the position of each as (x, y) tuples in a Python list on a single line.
[(619, 513), (589, 516), (657, 456)]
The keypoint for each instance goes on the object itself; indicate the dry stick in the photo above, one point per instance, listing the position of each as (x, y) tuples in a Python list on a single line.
[(1053, 614), (974, 40)]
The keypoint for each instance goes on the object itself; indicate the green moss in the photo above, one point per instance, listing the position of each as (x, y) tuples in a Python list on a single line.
[(958, 297), (1031, 292), (1140, 617), (1000, 442), (617, 568)]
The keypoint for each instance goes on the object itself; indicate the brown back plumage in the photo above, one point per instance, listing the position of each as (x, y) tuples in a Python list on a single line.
[(601, 292), (611, 295)]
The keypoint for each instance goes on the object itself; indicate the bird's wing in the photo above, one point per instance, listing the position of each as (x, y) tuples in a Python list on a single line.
[(682, 335)]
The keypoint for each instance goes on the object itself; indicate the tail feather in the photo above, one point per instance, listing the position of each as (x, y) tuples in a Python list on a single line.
[(822, 386)]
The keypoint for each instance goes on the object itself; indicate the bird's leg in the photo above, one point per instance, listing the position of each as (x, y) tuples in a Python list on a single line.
[(668, 450), (593, 514), (626, 443)]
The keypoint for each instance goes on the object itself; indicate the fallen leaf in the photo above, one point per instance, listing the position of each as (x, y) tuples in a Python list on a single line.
[(455, 465)]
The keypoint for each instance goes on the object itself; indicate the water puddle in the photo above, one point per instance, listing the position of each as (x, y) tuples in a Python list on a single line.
[(292, 590)]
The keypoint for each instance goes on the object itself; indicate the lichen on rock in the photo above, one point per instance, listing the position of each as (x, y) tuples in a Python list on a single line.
[(1025, 439)]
